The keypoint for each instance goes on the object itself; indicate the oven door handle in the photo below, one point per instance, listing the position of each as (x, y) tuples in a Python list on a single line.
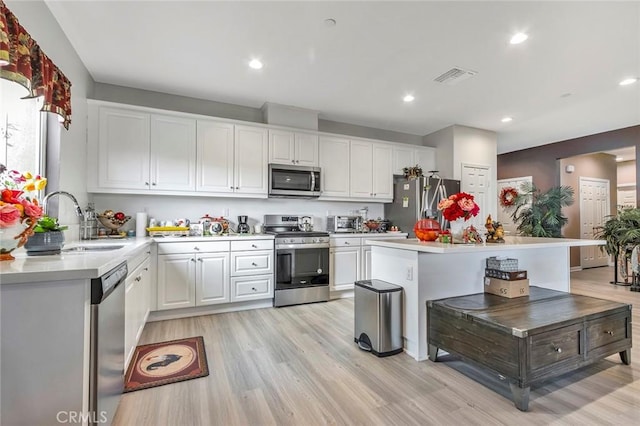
[(301, 246)]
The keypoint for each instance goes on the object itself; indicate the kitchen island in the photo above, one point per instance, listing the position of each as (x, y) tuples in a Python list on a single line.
[(431, 270)]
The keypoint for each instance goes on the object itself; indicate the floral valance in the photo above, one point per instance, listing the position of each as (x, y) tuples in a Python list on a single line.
[(22, 61)]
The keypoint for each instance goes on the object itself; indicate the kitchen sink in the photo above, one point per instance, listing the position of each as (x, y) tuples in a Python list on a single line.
[(83, 248)]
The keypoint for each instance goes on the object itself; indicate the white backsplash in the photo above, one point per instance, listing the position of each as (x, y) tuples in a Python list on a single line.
[(174, 207)]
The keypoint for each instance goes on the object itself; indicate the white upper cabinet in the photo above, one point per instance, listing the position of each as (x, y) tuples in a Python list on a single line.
[(123, 149), (403, 156), (173, 153), (286, 147), (215, 169), (426, 159), (409, 156), (371, 174), (250, 160), (334, 162)]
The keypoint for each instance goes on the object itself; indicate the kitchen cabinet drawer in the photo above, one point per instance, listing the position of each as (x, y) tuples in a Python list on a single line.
[(556, 346), (251, 245), (193, 247), (251, 262), (345, 242), (607, 330), (249, 288)]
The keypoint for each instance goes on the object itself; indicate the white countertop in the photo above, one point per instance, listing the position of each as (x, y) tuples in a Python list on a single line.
[(510, 243), (368, 235), (88, 264)]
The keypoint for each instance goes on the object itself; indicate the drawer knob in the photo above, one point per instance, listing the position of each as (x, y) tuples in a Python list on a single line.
[(196, 248), (558, 350), (346, 243), (609, 332), (253, 264), (254, 246), (253, 288)]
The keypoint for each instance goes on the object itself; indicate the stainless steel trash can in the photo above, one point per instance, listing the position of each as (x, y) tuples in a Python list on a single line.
[(378, 317)]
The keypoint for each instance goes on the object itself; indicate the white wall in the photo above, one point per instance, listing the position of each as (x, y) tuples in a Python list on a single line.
[(170, 208), (36, 18), (442, 140)]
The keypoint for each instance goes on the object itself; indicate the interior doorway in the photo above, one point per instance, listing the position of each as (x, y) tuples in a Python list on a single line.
[(595, 202), (475, 181)]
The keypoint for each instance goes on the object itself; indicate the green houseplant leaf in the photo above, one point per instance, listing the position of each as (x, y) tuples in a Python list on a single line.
[(539, 214)]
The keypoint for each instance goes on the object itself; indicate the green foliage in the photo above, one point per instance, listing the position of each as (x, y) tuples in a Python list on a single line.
[(620, 230), (539, 214), (48, 224)]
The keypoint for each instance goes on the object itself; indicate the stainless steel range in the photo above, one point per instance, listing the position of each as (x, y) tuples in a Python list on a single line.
[(302, 260)]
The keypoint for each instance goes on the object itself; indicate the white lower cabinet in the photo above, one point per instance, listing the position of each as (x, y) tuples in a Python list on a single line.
[(192, 274), (350, 259), (137, 302), (208, 273)]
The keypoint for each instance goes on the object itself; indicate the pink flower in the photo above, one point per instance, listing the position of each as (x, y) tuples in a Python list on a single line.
[(31, 209), (466, 204), (9, 215), (445, 204)]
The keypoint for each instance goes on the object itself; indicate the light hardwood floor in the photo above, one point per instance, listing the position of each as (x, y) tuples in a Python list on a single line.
[(299, 366)]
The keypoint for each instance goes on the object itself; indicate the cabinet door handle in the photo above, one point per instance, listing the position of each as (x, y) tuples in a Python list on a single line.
[(231, 187), (193, 260), (237, 187), (609, 332), (146, 269), (153, 184), (138, 278), (146, 183), (200, 260)]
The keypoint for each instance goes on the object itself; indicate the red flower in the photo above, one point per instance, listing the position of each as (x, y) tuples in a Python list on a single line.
[(11, 196), (460, 205)]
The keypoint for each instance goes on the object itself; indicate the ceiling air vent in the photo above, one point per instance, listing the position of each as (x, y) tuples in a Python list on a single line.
[(454, 76)]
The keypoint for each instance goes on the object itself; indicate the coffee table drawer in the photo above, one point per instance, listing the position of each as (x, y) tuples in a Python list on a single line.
[(555, 346), (607, 330)]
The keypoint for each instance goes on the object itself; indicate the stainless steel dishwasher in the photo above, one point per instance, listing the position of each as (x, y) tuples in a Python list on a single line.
[(106, 359)]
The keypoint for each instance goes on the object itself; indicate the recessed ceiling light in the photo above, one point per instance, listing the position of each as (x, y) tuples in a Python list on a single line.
[(329, 22), (518, 38), (255, 64), (506, 119), (408, 98), (628, 81)]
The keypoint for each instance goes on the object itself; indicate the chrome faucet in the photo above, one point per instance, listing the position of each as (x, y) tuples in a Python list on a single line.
[(45, 200)]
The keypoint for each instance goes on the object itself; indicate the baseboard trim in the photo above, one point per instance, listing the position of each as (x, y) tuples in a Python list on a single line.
[(208, 310)]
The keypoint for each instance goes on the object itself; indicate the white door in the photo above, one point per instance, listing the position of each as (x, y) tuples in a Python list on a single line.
[(173, 153), (334, 161), (344, 267), (176, 281), (212, 279), (215, 157), (594, 207), (382, 172), (403, 156), (361, 169), (475, 181), (251, 159), (426, 158), (281, 147), (504, 214), (123, 149), (306, 149)]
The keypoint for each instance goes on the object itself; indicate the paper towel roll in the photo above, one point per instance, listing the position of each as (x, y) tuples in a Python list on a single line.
[(141, 224)]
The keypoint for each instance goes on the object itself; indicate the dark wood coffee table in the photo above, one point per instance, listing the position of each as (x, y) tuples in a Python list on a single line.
[(532, 338)]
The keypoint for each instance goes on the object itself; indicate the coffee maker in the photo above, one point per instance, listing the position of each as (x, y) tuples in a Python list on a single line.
[(243, 226)]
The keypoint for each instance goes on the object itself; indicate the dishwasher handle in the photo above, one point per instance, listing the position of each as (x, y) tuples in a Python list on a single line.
[(103, 286)]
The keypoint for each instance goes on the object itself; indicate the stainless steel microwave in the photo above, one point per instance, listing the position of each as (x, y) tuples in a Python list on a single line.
[(294, 181)]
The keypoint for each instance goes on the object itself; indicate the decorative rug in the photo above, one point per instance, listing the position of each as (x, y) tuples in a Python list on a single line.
[(163, 363)]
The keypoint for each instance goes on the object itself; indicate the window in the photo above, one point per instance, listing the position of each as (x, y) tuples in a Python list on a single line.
[(22, 124)]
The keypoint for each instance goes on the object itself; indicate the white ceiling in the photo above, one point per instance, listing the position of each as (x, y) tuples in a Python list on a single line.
[(358, 71)]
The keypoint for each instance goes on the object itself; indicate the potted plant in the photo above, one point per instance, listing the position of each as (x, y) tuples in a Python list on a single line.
[(539, 214), (621, 233), (47, 237)]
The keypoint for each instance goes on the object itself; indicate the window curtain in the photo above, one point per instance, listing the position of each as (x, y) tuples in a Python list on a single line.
[(22, 61)]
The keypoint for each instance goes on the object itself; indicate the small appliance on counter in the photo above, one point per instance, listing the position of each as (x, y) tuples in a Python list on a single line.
[(340, 224), (243, 226)]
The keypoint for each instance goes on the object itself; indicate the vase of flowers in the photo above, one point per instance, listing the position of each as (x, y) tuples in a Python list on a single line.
[(457, 209), (19, 209)]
